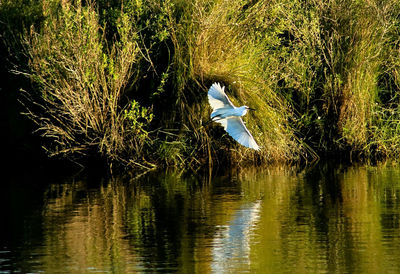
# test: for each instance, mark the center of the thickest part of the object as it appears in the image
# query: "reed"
(81, 78)
(128, 80)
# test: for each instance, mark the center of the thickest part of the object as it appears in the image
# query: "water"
(327, 218)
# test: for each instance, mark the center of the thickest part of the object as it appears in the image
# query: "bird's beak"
(251, 108)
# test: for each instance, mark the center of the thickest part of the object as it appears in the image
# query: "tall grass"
(82, 77)
(128, 80)
(354, 46)
(358, 44)
(235, 45)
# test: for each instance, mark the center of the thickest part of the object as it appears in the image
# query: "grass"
(225, 51)
(128, 80)
(81, 79)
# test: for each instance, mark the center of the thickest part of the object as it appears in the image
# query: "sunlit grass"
(128, 80)
(234, 45)
(82, 78)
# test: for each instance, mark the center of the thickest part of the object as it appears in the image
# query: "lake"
(328, 217)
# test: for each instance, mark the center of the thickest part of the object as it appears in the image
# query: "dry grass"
(323, 76)
(82, 77)
(233, 46)
(354, 55)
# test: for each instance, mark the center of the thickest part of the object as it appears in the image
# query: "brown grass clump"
(355, 48)
(233, 46)
(323, 76)
(82, 78)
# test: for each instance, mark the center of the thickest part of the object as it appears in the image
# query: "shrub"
(128, 79)
(81, 77)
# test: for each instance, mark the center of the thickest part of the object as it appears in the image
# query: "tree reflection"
(326, 219)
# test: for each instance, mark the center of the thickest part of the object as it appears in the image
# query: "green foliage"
(16, 17)
(128, 78)
(81, 78)
(137, 119)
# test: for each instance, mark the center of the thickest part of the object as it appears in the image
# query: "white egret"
(225, 113)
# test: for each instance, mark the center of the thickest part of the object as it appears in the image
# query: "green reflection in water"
(325, 219)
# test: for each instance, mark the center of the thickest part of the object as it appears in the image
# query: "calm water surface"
(327, 218)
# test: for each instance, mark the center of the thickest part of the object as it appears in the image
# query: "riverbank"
(127, 83)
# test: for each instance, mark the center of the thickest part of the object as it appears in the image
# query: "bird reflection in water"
(231, 244)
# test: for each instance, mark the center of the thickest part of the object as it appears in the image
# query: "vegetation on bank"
(127, 80)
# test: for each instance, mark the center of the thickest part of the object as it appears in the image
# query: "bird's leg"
(216, 118)
(209, 121)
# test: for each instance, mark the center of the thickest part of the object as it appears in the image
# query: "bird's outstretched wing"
(237, 130)
(217, 97)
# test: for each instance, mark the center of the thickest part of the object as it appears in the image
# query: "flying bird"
(229, 116)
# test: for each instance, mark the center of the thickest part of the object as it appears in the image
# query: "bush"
(128, 79)
(81, 77)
